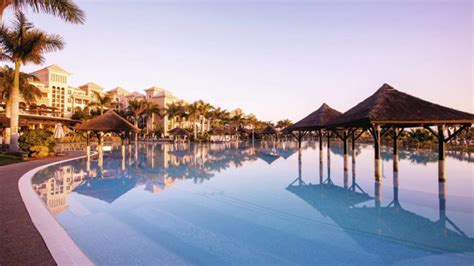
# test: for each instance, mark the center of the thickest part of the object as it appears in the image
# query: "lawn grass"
(9, 159)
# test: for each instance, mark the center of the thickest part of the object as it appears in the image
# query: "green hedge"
(35, 138)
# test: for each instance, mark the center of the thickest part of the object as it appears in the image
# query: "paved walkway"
(20, 242)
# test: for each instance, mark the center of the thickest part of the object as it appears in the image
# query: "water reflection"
(251, 205)
(359, 213)
(108, 176)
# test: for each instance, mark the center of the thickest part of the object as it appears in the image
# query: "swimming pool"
(260, 204)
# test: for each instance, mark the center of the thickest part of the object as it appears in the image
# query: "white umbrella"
(58, 131)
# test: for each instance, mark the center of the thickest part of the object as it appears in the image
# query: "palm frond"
(65, 9)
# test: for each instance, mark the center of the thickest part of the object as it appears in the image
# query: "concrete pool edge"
(61, 246)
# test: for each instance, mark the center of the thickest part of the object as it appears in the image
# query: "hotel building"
(59, 99)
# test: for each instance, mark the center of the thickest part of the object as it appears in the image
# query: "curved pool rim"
(61, 246)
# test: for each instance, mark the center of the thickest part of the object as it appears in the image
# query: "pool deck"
(20, 241)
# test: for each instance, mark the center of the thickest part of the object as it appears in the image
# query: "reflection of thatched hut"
(392, 222)
(178, 133)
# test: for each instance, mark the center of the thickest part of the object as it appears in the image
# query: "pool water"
(263, 203)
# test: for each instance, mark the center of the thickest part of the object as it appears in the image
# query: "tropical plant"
(35, 138)
(65, 9)
(150, 110)
(284, 123)
(136, 108)
(81, 113)
(174, 110)
(29, 92)
(102, 101)
(204, 110)
(21, 45)
(193, 111)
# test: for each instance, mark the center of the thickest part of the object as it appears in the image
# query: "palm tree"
(81, 114)
(21, 45)
(136, 108)
(194, 111)
(204, 109)
(174, 110)
(28, 91)
(65, 9)
(101, 102)
(150, 109)
(284, 123)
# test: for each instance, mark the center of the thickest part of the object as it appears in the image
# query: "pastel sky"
(275, 59)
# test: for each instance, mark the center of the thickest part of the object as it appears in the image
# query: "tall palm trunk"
(194, 127)
(15, 108)
(135, 122)
(7, 131)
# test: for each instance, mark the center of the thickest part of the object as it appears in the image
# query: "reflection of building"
(156, 166)
(54, 190)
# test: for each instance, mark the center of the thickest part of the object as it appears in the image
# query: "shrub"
(39, 151)
(39, 137)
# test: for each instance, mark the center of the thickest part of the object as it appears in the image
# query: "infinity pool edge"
(61, 246)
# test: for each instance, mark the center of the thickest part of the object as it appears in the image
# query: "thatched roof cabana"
(388, 106)
(108, 122)
(269, 130)
(317, 119)
(177, 131)
(217, 131)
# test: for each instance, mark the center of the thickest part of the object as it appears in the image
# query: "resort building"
(59, 100)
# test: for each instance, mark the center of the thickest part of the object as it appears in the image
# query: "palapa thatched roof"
(217, 131)
(388, 106)
(317, 119)
(269, 130)
(108, 122)
(177, 131)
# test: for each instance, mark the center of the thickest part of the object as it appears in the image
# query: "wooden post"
(88, 146)
(395, 149)
(346, 179)
(321, 171)
(441, 154)
(320, 140)
(123, 152)
(395, 187)
(329, 144)
(345, 141)
(100, 150)
(377, 157)
(378, 194)
(299, 167)
(353, 148)
(442, 202)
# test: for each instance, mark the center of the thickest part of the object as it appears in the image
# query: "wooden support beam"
(441, 154)
(320, 139)
(375, 130)
(456, 132)
(395, 149)
(360, 134)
